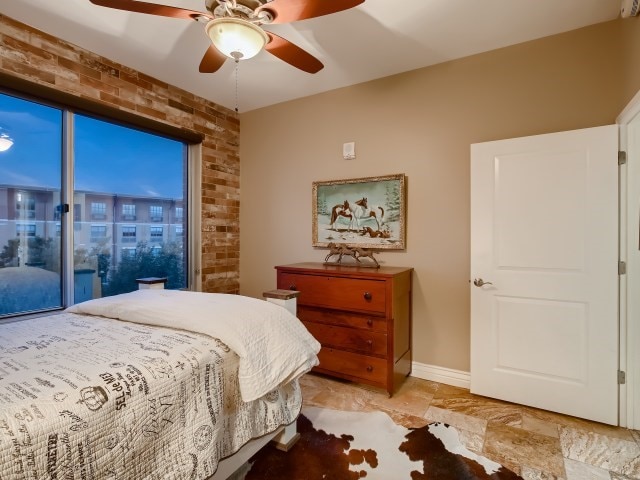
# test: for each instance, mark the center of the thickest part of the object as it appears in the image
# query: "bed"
(153, 384)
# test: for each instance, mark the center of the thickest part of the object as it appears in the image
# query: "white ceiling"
(376, 39)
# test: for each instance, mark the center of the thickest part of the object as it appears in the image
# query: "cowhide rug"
(336, 445)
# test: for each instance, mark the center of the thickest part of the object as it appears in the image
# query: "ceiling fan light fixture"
(236, 38)
(5, 142)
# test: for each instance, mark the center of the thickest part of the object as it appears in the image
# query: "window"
(77, 212)
(25, 206)
(98, 211)
(137, 168)
(128, 212)
(156, 234)
(30, 183)
(155, 212)
(128, 234)
(98, 233)
(178, 213)
(34, 195)
(28, 230)
(179, 230)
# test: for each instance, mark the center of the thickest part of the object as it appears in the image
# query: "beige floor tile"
(529, 473)
(456, 419)
(579, 423)
(617, 476)
(543, 427)
(582, 471)
(406, 420)
(335, 394)
(412, 398)
(614, 454)
(460, 400)
(504, 443)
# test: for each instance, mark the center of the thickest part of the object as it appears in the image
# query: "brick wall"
(32, 55)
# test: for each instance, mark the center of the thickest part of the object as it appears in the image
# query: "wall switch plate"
(349, 150)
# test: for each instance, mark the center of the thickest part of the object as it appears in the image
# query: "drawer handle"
(368, 296)
(370, 322)
(369, 368)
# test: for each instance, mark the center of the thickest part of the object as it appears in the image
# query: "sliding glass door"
(128, 208)
(113, 195)
(30, 184)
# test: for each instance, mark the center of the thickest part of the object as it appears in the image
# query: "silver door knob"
(478, 282)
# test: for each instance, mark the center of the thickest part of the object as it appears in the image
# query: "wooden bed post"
(287, 299)
(287, 438)
(284, 298)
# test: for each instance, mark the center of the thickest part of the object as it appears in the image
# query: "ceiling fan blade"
(212, 60)
(151, 9)
(292, 54)
(285, 11)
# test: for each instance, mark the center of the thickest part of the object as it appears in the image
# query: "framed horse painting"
(364, 212)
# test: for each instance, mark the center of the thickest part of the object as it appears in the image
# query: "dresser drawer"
(353, 364)
(346, 319)
(336, 292)
(370, 343)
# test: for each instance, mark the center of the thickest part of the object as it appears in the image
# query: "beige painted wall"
(421, 123)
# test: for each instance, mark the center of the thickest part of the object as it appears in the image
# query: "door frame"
(630, 253)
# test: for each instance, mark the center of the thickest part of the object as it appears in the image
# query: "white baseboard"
(457, 378)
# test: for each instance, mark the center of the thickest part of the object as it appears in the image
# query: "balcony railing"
(128, 239)
(98, 216)
(30, 214)
(129, 217)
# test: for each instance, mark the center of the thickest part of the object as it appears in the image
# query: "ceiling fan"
(235, 26)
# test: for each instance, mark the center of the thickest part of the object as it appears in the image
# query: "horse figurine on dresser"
(355, 252)
(360, 210)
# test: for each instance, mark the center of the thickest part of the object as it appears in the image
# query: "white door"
(544, 232)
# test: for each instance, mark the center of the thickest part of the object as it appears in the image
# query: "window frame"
(98, 210)
(70, 105)
(153, 233)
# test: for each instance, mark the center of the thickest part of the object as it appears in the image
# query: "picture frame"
(367, 212)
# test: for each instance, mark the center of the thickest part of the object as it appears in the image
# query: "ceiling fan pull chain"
(237, 66)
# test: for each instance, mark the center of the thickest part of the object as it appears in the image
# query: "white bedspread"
(91, 398)
(273, 346)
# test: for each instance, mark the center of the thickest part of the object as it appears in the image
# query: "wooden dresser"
(361, 316)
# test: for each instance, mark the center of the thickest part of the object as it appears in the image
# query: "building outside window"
(129, 234)
(155, 213)
(98, 233)
(26, 229)
(128, 212)
(156, 234)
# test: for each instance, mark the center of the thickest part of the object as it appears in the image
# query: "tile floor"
(534, 443)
